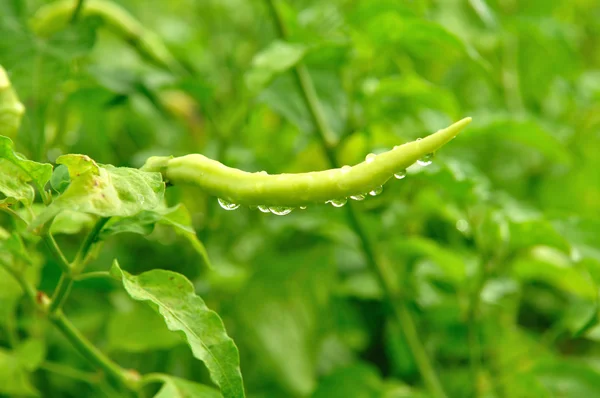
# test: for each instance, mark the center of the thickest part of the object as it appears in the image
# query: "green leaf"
(553, 267)
(526, 132)
(14, 376)
(284, 98)
(568, 379)
(104, 190)
(15, 255)
(25, 49)
(172, 295)
(272, 61)
(279, 311)
(580, 316)
(17, 172)
(397, 94)
(14, 184)
(450, 263)
(174, 387)
(71, 222)
(60, 178)
(359, 381)
(582, 234)
(10, 292)
(143, 223)
(31, 353)
(11, 109)
(128, 328)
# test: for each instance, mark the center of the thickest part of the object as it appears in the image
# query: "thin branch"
(27, 288)
(48, 239)
(380, 268)
(84, 250)
(93, 275)
(61, 292)
(67, 278)
(77, 11)
(73, 373)
(90, 352)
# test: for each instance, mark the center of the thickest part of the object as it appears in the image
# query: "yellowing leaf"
(16, 172)
(105, 190)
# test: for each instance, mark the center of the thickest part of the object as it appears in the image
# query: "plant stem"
(93, 275)
(90, 352)
(77, 10)
(61, 292)
(384, 274)
(386, 279)
(67, 278)
(76, 374)
(56, 316)
(475, 355)
(29, 290)
(82, 254)
(48, 239)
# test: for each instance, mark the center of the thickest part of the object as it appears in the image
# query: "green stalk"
(29, 290)
(48, 239)
(74, 336)
(73, 373)
(90, 352)
(81, 258)
(61, 292)
(68, 277)
(77, 10)
(63, 288)
(383, 273)
(93, 275)
(56, 315)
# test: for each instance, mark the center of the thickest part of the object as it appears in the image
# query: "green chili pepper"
(11, 109)
(53, 17)
(280, 192)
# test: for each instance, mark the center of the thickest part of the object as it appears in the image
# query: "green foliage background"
(496, 245)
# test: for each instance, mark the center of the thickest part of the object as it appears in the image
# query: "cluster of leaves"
(494, 245)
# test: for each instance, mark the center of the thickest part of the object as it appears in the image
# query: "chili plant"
(388, 276)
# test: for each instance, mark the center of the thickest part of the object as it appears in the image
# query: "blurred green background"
(496, 245)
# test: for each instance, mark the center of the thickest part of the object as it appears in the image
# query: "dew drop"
(400, 175)
(337, 202)
(360, 196)
(370, 158)
(426, 160)
(302, 207)
(227, 205)
(280, 210)
(376, 191)
(264, 209)
(462, 225)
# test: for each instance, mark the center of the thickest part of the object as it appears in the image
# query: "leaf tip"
(115, 270)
